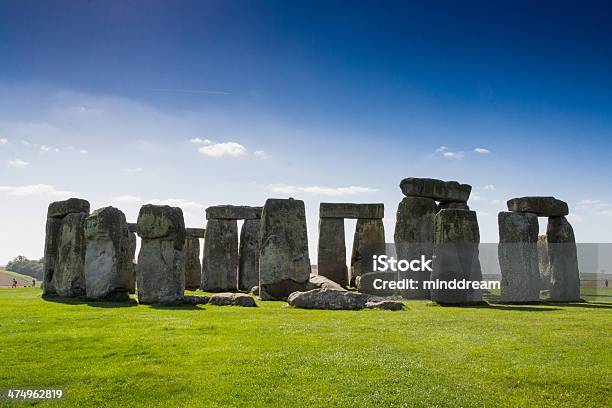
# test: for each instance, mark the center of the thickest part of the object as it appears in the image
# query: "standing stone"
(563, 258)
(331, 260)
(544, 264)
(413, 238)
(132, 240)
(284, 265)
(248, 255)
(161, 273)
(220, 260)
(108, 257)
(518, 257)
(193, 268)
(64, 273)
(456, 239)
(369, 240)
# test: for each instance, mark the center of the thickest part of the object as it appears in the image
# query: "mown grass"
(107, 354)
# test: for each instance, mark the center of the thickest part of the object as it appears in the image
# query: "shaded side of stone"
(132, 243)
(220, 260)
(331, 258)
(456, 239)
(284, 263)
(563, 258)
(248, 255)
(60, 209)
(369, 240)
(518, 257)
(193, 268)
(544, 264)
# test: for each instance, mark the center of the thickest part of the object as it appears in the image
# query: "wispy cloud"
(83, 151)
(318, 190)
(217, 150)
(481, 150)
(18, 163)
(3, 141)
(445, 152)
(178, 202)
(197, 140)
(133, 170)
(126, 199)
(195, 91)
(260, 154)
(35, 189)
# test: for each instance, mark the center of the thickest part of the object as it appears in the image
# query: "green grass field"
(124, 355)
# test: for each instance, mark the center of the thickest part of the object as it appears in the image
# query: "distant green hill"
(25, 266)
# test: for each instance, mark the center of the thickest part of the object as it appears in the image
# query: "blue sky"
(203, 103)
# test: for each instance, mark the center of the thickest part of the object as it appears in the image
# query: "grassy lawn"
(108, 354)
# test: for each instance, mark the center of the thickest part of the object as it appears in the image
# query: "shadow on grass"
(513, 307)
(586, 305)
(180, 306)
(107, 304)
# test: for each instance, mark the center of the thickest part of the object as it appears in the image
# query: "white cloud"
(481, 150)
(177, 202)
(488, 187)
(260, 154)
(35, 189)
(3, 141)
(495, 202)
(17, 163)
(318, 190)
(197, 140)
(133, 170)
(45, 148)
(232, 149)
(127, 199)
(83, 151)
(476, 197)
(444, 152)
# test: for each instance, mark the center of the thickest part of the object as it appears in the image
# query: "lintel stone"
(350, 210)
(233, 212)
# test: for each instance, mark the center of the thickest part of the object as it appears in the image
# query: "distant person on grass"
(14, 283)
(33, 283)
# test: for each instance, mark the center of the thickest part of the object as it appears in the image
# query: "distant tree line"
(27, 267)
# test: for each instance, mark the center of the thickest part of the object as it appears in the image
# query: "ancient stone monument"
(161, 274)
(414, 227)
(193, 269)
(109, 269)
(284, 264)
(456, 240)
(523, 269)
(248, 255)
(64, 273)
(369, 239)
(518, 257)
(132, 284)
(221, 258)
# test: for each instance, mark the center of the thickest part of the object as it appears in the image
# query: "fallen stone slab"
(385, 304)
(541, 206)
(518, 257)
(60, 209)
(195, 232)
(328, 299)
(365, 283)
(318, 281)
(439, 190)
(196, 300)
(350, 210)
(284, 263)
(563, 261)
(232, 299)
(233, 212)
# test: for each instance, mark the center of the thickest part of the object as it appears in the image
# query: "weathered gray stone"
(193, 268)
(220, 260)
(284, 265)
(64, 273)
(328, 299)
(518, 257)
(453, 206)
(132, 227)
(162, 221)
(544, 264)
(369, 240)
(541, 206)
(456, 239)
(196, 300)
(232, 299)
(248, 255)
(365, 283)
(563, 258)
(384, 304)
(161, 260)
(318, 281)
(195, 232)
(413, 238)
(233, 212)
(437, 189)
(60, 209)
(255, 291)
(108, 258)
(331, 261)
(350, 210)
(132, 242)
